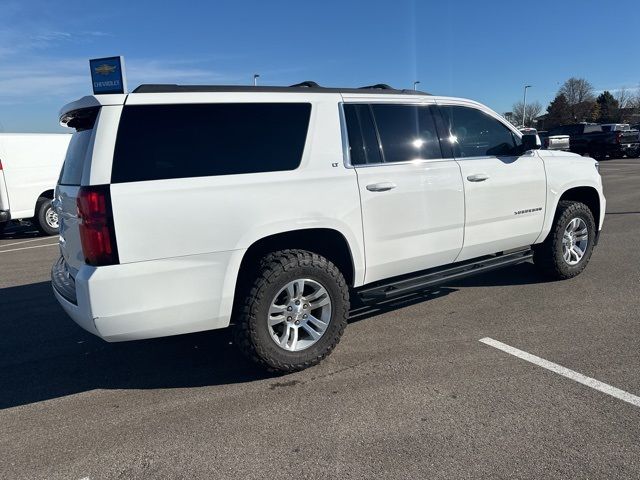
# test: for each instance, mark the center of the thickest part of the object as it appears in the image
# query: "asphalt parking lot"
(410, 392)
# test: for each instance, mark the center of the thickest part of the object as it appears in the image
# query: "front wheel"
(46, 218)
(294, 312)
(568, 247)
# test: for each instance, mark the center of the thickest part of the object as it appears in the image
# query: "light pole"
(255, 79)
(415, 85)
(524, 106)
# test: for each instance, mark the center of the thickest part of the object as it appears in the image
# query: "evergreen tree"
(608, 107)
(558, 112)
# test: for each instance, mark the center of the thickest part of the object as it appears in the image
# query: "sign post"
(108, 76)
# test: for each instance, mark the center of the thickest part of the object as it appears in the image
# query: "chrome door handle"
(381, 187)
(478, 177)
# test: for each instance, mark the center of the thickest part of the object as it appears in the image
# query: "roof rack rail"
(378, 86)
(304, 87)
(306, 83)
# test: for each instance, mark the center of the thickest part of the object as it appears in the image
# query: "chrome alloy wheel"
(574, 241)
(51, 217)
(299, 314)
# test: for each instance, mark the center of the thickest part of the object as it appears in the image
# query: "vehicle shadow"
(19, 232)
(44, 355)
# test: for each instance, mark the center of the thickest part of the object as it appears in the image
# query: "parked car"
(29, 168)
(554, 142)
(591, 139)
(289, 203)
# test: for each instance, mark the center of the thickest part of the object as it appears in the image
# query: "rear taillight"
(0, 164)
(619, 137)
(97, 234)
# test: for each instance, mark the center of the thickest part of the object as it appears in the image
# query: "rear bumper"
(153, 299)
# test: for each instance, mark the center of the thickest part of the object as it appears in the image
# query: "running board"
(434, 278)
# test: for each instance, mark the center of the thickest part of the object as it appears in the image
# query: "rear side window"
(477, 134)
(158, 142)
(407, 132)
(390, 133)
(364, 148)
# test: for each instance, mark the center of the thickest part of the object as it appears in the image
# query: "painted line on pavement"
(28, 248)
(24, 241)
(565, 372)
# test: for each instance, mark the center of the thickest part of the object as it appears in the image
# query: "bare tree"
(533, 110)
(624, 97)
(577, 90)
(580, 97)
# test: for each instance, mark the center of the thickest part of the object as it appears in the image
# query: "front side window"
(477, 134)
(158, 142)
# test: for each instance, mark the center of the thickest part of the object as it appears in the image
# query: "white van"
(29, 167)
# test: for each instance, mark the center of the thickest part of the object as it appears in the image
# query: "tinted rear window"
(71, 173)
(175, 141)
(83, 121)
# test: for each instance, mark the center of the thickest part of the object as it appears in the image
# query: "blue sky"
(478, 49)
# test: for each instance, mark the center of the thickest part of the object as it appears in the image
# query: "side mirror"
(531, 141)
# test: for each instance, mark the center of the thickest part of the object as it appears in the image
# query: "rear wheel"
(3, 225)
(568, 247)
(294, 312)
(46, 218)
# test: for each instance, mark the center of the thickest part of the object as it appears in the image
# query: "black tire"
(275, 271)
(548, 256)
(43, 209)
(3, 225)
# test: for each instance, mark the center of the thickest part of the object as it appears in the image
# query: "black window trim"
(345, 135)
(514, 131)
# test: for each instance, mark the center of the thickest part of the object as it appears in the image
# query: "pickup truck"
(554, 142)
(29, 167)
(591, 139)
(289, 204)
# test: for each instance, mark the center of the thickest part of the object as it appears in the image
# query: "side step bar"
(435, 277)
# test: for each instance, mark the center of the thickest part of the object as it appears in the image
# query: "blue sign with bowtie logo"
(107, 75)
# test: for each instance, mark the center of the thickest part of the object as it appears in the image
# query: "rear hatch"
(77, 160)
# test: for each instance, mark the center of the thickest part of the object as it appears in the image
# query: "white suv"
(189, 208)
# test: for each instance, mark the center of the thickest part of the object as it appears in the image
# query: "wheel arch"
(584, 194)
(46, 194)
(328, 242)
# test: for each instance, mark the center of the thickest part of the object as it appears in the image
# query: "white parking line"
(565, 372)
(28, 248)
(25, 241)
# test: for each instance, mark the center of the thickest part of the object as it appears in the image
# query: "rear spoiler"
(92, 101)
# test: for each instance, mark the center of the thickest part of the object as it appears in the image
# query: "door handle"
(478, 177)
(381, 187)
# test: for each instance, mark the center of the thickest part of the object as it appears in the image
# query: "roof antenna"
(255, 79)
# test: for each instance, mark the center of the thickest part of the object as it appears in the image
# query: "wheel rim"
(51, 217)
(299, 314)
(575, 241)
